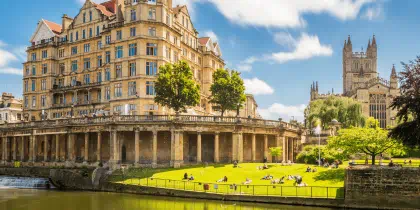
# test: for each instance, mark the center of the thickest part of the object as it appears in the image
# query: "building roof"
(203, 40)
(178, 8)
(55, 27)
(107, 8)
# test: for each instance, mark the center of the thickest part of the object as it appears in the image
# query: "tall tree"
(176, 88)
(228, 91)
(370, 140)
(346, 110)
(408, 105)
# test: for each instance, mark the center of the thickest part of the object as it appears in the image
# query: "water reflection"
(24, 199)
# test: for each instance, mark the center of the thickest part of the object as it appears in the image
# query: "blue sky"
(280, 46)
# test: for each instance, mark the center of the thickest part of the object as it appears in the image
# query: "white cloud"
(244, 67)
(212, 35)
(285, 13)
(9, 70)
(284, 39)
(6, 57)
(372, 13)
(285, 112)
(2, 44)
(256, 86)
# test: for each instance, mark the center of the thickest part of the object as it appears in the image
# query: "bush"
(310, 154)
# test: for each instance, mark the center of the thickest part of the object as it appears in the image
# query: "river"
(12, 198)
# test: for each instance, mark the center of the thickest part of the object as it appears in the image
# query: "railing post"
(296, 191)
(253, 189)
(147, 181)
(165, 183)
(311, 191)
(267, 190)
(240, 189)
(327, 192)
(184, 185)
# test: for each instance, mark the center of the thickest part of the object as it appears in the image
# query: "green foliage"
(228, 91)
(175, 87)
(408, 105)
(310, 154)
(322, 111)
(370, 140)
(276, 151)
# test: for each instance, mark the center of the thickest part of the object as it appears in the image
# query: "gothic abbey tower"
(361, 81)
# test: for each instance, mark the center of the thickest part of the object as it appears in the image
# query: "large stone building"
(105, 60)
(361, 81)
(89, 95)
(10, 109)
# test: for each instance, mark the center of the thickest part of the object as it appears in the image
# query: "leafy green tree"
(228, 91)
(370, 140)
(346, 110)
(408, 105)
(310, 154)
(175, 87)
(276, 152)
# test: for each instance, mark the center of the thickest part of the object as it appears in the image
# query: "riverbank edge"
(78, 180)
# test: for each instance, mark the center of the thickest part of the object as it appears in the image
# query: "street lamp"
(317, 131)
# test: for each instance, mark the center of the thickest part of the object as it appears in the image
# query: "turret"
(393, 79)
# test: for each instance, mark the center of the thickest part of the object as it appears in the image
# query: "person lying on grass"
(248, 181)
(268, 177)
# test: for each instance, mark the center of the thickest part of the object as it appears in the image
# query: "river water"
(36, 199)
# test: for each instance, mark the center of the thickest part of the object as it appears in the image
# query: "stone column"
(70, 147)
(177, 145)
(14, 148)
(30, 149)
(253, 147)
(284, 149)
(98, 152)
(235, 147)
(266, 146)
(3, 147)
(57, 147)
(216, 147)
(7, 149)
(154, 149)
(22, 149)
(86, 155)
(199, 147)
(34, 148)
(241, 148)
(45, 148)
(137, 146)
(116, 146)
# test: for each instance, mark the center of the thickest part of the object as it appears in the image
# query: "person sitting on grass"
(185, 176)
(247, 181)
(235, 164)
(314, 170)
(405, 162)
(391, 164)
(225, 179)
(265, 166)
(191, 178)
(409, 162)
(308, 169)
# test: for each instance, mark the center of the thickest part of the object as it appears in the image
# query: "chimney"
(66, 21)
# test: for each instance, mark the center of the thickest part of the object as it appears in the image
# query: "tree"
(276, 152)
(346, 110)
(175, 87)
(310, 154)
(370, 140)
(228, 91)
(408, 105)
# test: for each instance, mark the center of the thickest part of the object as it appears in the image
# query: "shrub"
(310, 154)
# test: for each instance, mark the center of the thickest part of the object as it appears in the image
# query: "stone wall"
(389, 187)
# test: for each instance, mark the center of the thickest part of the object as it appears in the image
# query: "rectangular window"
(151, 49)
(33, 101)
(118, 108)
(90, 16)
(99, 45)
(77, 35)
(86, 63)
(44, 68)
(33, 85)
(108, 39)
(99, 96)
(71, 37)
(133, 50)
(87, 48)
(27, 71)
(61, 53)
(74, 50)
(118, 90)
(133, 15)
(33, 70)
(26, 86)
(107, 57)
(90, 32)
(132, 69)
(99, 77)
(107, 93)
(98, 32)
(175, 57)
(44, 54)
(133, 32)
(150, 88)
(26, 102)
(43, 100)
(119, 52)
(118, 71)
(132, 88)
(84, 34)
(152, 14)
(151, 68)
(119, 35)
(43, 84)
(107, 74)
(86, 78)
(74, 66)
(152, 31)
(100, 61)
(84, 17)
(33, 56)
(62, 68)
(73, 81)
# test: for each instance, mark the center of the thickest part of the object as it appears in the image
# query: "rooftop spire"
(369, 44)
(349, 40)
(374, 41)
(393, 72)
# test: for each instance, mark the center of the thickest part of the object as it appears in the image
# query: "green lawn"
(317, 181)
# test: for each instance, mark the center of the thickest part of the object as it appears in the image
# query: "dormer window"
(84, 17)
(90, 16)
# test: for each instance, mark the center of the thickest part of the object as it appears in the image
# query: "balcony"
(79, 85)
(77, 103)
